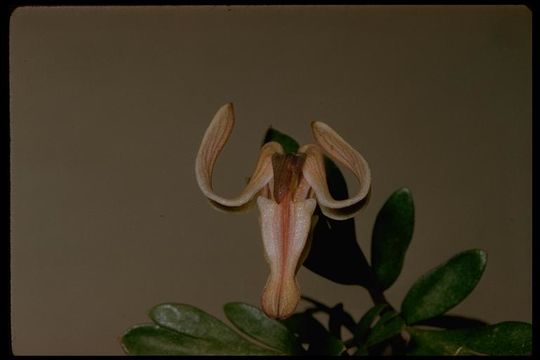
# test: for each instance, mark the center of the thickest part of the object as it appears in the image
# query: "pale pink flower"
(287, 188)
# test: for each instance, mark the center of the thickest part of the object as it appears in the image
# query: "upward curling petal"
(338, 149)
(214, 140)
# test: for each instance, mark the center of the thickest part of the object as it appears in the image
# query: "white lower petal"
(285, 228)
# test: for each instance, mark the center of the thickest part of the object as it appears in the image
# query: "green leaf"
(309, 330)
(443, 287)
(389, 325)
(189, 320)
(361, 351)
(157, 340)
(392, 234)
(438, 342)
(254, 323)
(506, 338)
(289, 144)
(365, 323)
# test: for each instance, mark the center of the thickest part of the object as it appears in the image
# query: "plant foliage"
(420, 326)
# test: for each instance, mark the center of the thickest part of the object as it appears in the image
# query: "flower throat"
(287, 174)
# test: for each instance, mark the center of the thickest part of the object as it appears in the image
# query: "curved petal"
(285, 227)
(314, 172)
(214, 140)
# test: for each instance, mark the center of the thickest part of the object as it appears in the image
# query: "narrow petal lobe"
(314, 172)
(214, 140)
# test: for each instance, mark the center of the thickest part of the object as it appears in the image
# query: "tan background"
(108, 106)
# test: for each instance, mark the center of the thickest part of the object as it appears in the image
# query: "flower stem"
(377, 296)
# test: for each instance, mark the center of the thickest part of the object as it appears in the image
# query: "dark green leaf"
(365, 323)
(438, 342)
(389, 325)
(392, 234)
(254, 323)
(289, 144)
(192, 321)
(189, 320)
(443, 287)
(334, 252)
(361, 351)
(156, 340)
(310, 331)
(506, 338)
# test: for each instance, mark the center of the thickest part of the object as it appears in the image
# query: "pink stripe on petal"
(285, 228)
(315, 174)
(214, 140)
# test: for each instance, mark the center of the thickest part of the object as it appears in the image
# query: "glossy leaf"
(392, 234)
(506, 338)
(189, 320)
(289, 144)
(444, 287)
(254, 323)
(389, 325)
(192, 321)
(334, 252)
(157, 340)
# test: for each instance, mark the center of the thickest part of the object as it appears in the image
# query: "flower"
(287, 188)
